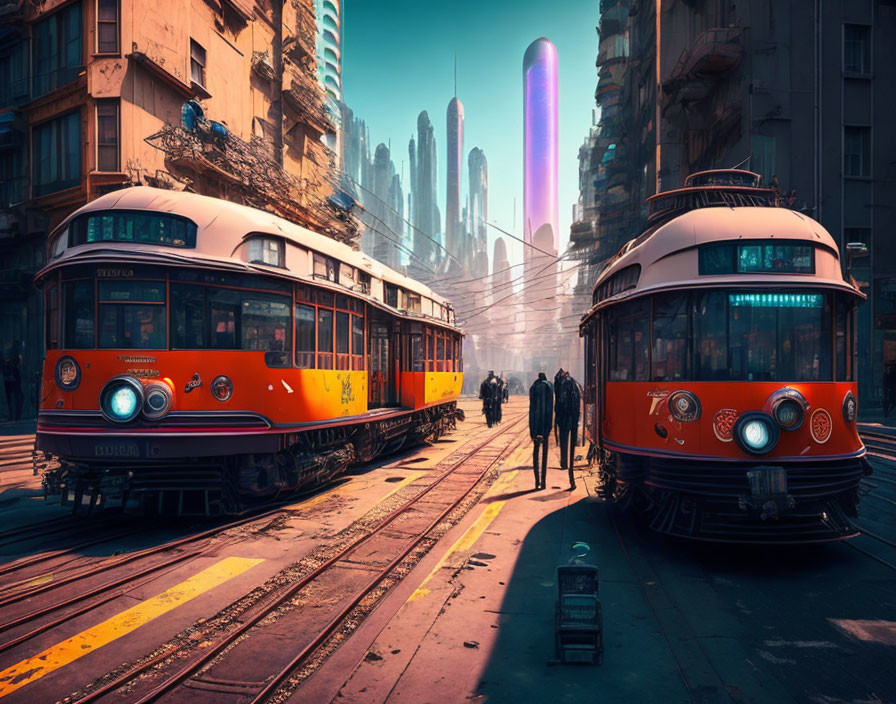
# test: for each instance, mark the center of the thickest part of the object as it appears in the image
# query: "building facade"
(795, 91)
(96, 95)
(454, 230)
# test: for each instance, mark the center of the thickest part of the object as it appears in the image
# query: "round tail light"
(756, 433)
(156, 401)
(67, 373)
(850, 407)
(789, 413)
(121, 399)
(684, 406)
(222, 388)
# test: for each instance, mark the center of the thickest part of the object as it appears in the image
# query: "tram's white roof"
(223, 225)
(668, 257)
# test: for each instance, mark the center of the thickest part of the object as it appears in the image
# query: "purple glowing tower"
(540, 224)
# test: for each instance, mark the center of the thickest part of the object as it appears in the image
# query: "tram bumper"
(718, 501)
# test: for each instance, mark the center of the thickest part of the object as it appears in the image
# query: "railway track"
(342, 581)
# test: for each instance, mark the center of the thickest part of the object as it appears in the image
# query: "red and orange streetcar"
(720, 369)
(204, 356)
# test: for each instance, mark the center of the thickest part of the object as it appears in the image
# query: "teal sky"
(398, 59)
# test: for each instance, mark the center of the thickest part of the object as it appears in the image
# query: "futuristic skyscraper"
(540, 146)
(453, 229)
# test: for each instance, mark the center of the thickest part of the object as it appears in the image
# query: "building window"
(56, 50)
(197, 63)
(107, 26)
(56, 154)
(14, 74)
(857, 151)
(107, 135)
(857, 48)
(266, 250)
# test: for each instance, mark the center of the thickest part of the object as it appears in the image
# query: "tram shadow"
(641, 573)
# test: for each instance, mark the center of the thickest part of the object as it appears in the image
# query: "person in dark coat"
(541, 416)
(12, 380)
(500, 395)
(557, 377)
(568, 400)
(488, 391)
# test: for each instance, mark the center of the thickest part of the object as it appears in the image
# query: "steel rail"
(285, 595)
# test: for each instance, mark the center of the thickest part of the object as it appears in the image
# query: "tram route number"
(116, 449)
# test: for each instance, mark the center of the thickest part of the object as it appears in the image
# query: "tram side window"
(440, 351)
(357, 342)
(711, 336)
(629, 333)
(265, 325)
(324, 338)
(132, 315)
(430, 349)
(78, 315)
(342, 340)
(670, 337)
(53, 317)
(304, 337)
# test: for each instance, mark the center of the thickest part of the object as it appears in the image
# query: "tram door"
(382, 377)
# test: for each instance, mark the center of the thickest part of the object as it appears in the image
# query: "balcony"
(711, 56)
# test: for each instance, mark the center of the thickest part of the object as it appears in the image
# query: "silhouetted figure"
(488, 393)
(12, 381)
(500, 397)
(889, 388)
(541, 415)
(569, 398)
(557, 377)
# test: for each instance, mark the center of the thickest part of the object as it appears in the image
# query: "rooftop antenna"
(455, 74)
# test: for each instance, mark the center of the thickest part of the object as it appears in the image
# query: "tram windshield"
(732, 335)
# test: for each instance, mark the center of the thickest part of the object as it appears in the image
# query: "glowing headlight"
(121, 399)
(684, 406)
(850, 407)
(67, 373)
(157, 402)
(756, 433)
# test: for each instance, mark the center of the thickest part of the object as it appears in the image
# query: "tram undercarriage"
(717, 501)
(228, 484)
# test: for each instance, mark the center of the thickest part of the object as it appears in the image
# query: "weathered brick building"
(92, 96)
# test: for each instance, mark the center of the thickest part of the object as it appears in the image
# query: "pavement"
(473, 621)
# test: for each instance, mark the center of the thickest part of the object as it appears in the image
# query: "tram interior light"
(776, 300)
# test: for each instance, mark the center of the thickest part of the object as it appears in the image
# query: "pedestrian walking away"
(541, 412)
(500, 394)
(568, 400)
(488, 393)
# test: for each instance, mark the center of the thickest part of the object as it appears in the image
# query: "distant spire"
(455, 74)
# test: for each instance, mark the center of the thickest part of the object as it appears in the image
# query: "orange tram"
(720, 370)
(204, 356)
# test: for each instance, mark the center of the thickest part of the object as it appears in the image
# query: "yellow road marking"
(473, 533)
(68, 651)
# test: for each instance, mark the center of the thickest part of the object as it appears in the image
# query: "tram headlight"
(789, 414)
(67, 373)
(850, 407)
(121, 399)
(756, 433)
(222, 388)
(684, 406)
(157, 401)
